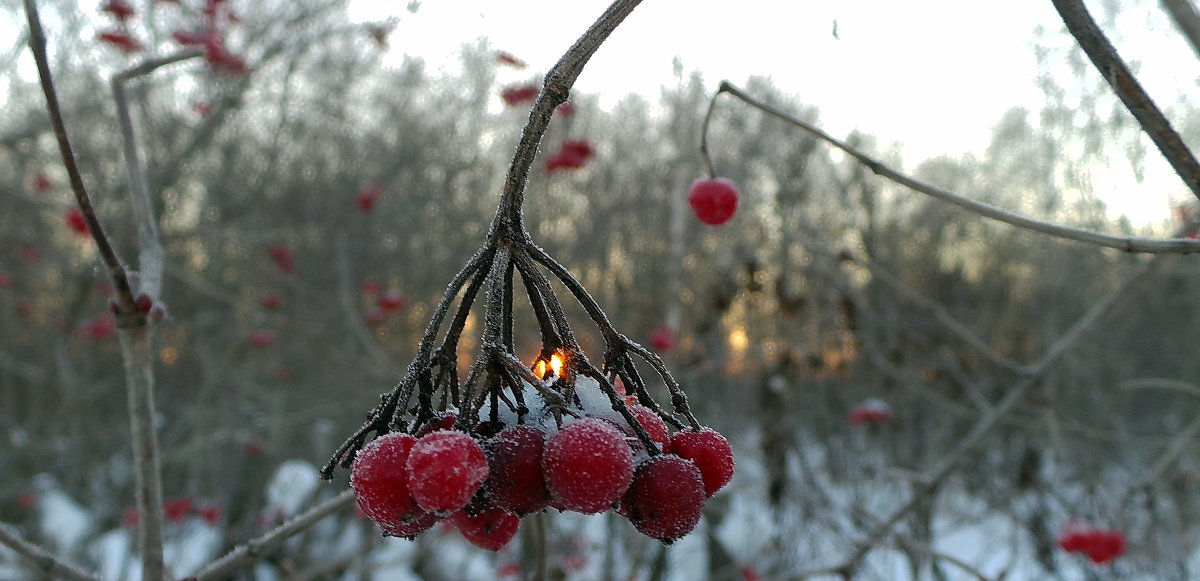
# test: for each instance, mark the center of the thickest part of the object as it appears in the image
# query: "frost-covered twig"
(1136, 244)
(252, 550)
(1118, 76)
(45, 562)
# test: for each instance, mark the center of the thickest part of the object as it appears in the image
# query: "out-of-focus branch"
(150, 252)
(1187, 19)
(45, 562)
(1126, 243)
(1114, 70)
(248, 553)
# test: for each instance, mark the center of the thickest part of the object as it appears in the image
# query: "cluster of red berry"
(484, 481)
(1101, 546)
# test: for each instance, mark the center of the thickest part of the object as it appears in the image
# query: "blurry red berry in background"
(370, 288)
(23, 308)
(270, 301)
(211, 514)
(101, 327)
(872, 411)
(5, 280)
(391, 302)
(41, 183)
(518, 94)
(119, 9)
(566, 109)
(262, 338)
(375, 317)
(177, 509)
(75, 221)
(369, 196)
(563, 160)
(120, 39)
(579, 147)
(663, 339)
(508, 59)
(282, 257)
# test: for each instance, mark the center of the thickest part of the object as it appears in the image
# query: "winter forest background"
(293, 304)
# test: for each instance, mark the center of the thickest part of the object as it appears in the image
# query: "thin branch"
(251, 551)
(1114, 70)
(1135, 244)
(150, 251)
(556, 89)
(47, 563)
(127, 311)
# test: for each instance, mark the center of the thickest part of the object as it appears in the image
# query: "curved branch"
(1135, 244)
(45, 562)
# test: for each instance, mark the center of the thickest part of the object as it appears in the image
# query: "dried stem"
(1114, 70)
(1135, 244)
(45, 562)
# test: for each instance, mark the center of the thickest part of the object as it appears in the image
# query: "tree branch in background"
(45, 562)
(1114, 70)
(1134, 244)
(1183, 13)
(251, 551)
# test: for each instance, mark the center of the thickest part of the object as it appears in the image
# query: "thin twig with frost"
(45, 562)
(1135, 244)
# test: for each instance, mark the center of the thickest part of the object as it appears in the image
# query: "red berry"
(516, 95)
(579, 147)
(5, 280)
(714, 200)
(177, 509)
(1106, 546)
(270, 301)
(564, 160)
(262, 338)
(119, 9)
(368, 197)
(390, 302)
(505, 58)
(101, 327)
(211, 514)
(516, 481)
(663, 339)
(75, 220)
(710, 451)
(654, 425)
(588, 466)
(872, 411)
(282, 257)
(120, 40)
(375, 317)
(42, 183)
(666, 498)
(143, 303)
(445, 469)
(489, 529)
(379, 479)
(444, 421)
(566, 109)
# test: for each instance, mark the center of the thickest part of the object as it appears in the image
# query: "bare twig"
(1114, 70)
(1135, 244)
(249, 552)
(45, 562)
(150, 252)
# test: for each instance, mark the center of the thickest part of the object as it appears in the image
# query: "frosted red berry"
(379, 479)
(588, 466)
(445, 469)
(654, 425)
(666, 498)
(711, 453)
(516, 481)
(490, 529)
(713, 200)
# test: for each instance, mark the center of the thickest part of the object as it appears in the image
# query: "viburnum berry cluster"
(1100, 545)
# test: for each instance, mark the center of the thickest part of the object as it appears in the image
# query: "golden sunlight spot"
(169, 355)
(739, 341)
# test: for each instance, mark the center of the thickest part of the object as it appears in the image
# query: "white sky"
(933, 75)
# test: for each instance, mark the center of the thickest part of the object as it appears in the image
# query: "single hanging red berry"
(445, 469)
(516, 481)
(710, 451)
(490, 529)
(666, 498)
(588, 466)
(714, 200)
(379, 479)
